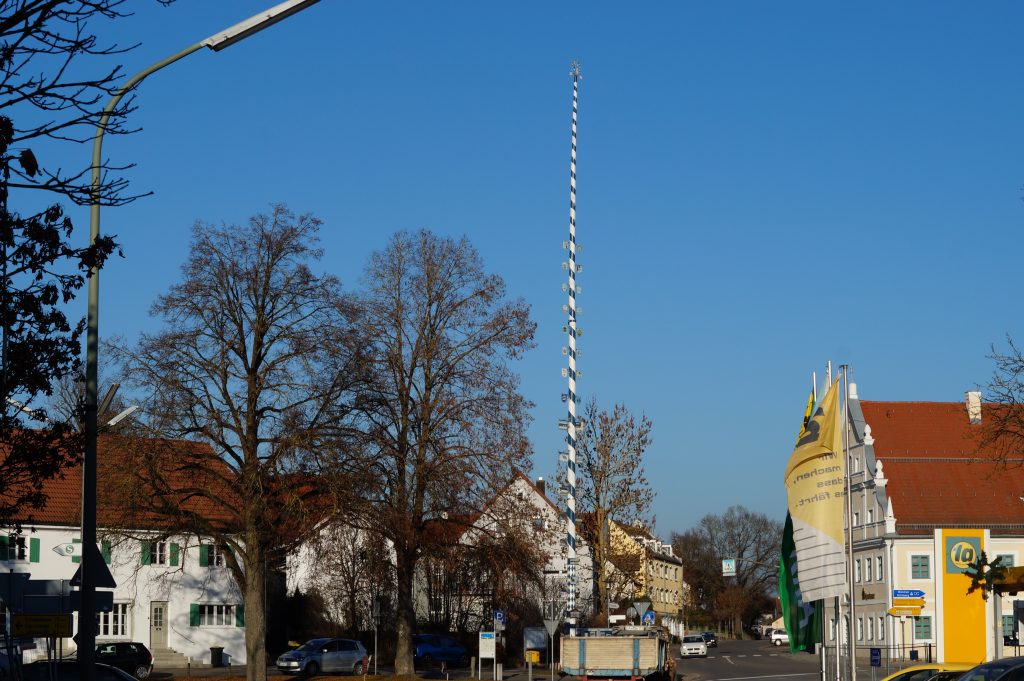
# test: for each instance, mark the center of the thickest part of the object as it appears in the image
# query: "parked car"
(779, 636)
(128, 656)
(710, 638)
(325, 655)
(924, 672)
(693, 645)
(1011, 640)
(67, 670)
(994, 670)
(430, 648)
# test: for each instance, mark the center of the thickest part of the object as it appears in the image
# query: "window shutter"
(105, 550)
(193, 615)
(174, 555)
(76, 559)
(204, 555)
(240, 615)
(145, 558)
(33, 550)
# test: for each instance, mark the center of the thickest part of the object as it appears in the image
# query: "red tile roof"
(64, 493)
(938, 476)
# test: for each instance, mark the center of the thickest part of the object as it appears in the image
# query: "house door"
(158, 624)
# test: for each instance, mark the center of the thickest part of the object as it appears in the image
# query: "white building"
(173, 594)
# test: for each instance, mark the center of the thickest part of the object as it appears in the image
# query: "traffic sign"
(648, 618)
(904, 612)
(499, 616)
(907, 593)
(728, 567)
(908, 602)
(876, 657)
(31, 626)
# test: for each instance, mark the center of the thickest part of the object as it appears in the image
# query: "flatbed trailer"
(628, 653)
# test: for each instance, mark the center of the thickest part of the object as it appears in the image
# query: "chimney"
(973, 401)
(853, 391)
(540, 486)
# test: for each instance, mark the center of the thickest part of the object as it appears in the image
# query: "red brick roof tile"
(938, 477)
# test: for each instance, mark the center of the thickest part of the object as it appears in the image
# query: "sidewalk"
(238, 671)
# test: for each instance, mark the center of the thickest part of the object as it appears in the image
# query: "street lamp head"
(254, 24)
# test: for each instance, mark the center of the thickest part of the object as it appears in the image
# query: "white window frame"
(867, 570)
(881, 628)
(856, 570)
(16, 549)
(159, 553)
(879, 565)
(860, 628)
(217, 552)
(113, 624)
(216, 615)
(871, 627)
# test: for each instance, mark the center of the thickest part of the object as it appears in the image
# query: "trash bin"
(216, 656)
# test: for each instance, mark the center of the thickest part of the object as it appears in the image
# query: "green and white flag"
(803, 620)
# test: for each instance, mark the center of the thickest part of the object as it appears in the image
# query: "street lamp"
(86, 617)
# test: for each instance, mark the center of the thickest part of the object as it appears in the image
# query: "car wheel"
(777, 642)
(358, 668)
(141, 672)
(312, 669)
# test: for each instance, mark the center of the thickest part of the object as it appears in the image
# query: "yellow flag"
(816, 486)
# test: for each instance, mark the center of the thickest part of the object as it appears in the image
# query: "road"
(749, 661)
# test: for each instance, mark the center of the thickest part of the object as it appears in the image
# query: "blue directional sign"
(876, 655)
(907, 593)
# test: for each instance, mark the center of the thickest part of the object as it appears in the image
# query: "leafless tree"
(443, 417)
(252, 364)
(754, 541)
(611, 483)
(55, 77)
(1001, 434)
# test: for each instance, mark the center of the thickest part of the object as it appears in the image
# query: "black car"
(128, 656)
(1006, 669)
(67, 670)
(710, 638)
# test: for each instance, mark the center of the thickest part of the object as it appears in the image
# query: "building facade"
(926, 501)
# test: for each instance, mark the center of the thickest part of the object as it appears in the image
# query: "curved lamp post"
(86, 638)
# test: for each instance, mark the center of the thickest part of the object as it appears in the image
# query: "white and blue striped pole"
(570, 469)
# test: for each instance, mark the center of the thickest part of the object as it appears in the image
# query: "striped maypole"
(570, 469)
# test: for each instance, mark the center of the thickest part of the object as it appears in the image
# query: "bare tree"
(611, 482)
(55, 77)
(1001, 434)
(252, 363)
(443, 417)
(754, 540)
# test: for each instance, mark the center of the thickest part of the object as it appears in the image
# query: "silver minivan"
(336, 655)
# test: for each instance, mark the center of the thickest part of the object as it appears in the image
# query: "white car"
(693, 645)
(779, 636)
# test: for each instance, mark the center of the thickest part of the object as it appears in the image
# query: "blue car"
(431, 648)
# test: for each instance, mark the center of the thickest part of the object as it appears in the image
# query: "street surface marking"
(771, 676)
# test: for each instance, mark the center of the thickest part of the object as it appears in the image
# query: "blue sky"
(762, 187)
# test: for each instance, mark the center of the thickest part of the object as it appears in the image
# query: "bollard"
(188, 668)
(529, 669)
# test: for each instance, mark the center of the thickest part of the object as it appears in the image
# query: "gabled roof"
(938, 476)
(64, 492)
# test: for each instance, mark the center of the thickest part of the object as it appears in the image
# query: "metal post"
(849, 523)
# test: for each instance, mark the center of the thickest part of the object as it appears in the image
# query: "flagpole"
(824, 617)
(849, 523)
(838, 602)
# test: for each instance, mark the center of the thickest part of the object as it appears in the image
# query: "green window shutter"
(105, 550)
(240, 615)
(204, 555)
(145, 558)
(76, 559)
(33, 550)
(193, 615)
(174, 555)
